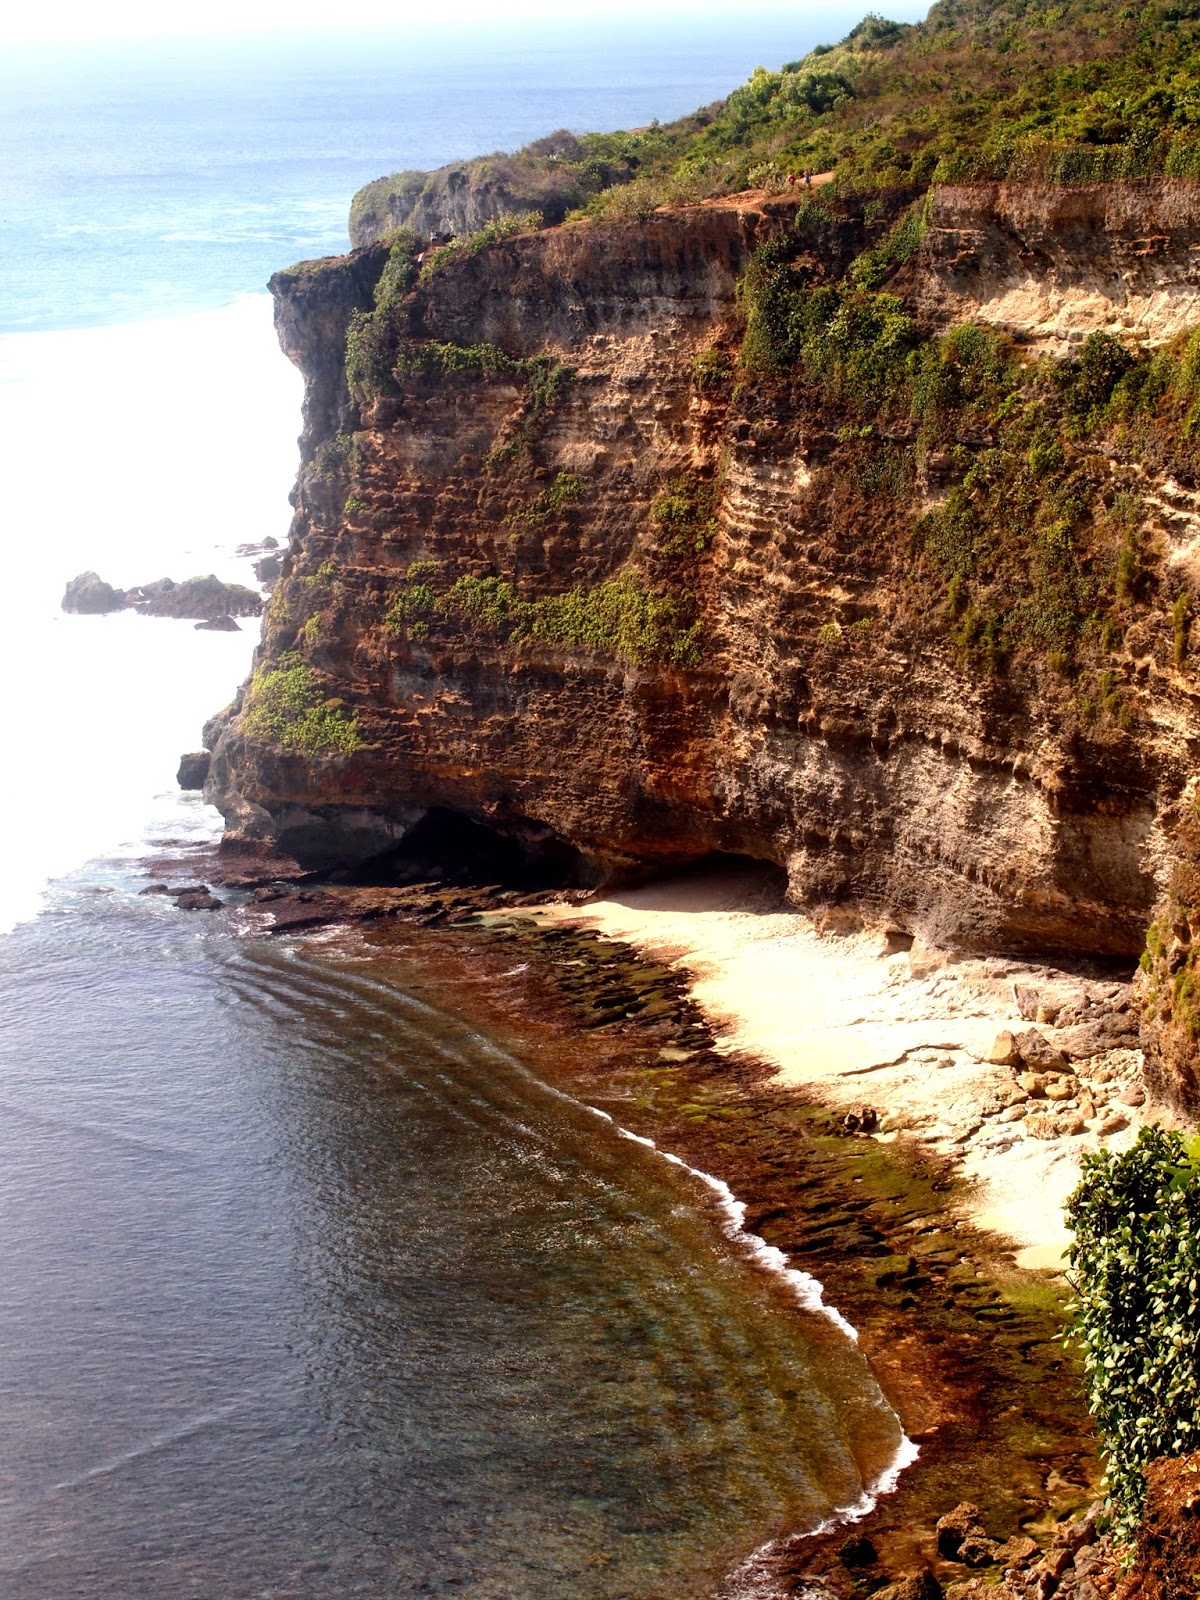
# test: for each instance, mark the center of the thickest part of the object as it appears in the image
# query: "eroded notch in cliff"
(454, 847)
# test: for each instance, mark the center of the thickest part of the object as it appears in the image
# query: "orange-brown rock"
(1168, 1541)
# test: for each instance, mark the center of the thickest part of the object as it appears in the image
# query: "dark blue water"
(310, 1290)
(155, 178)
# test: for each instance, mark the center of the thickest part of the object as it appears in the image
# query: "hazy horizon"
(140, 21)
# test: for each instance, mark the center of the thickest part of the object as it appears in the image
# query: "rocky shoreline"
(965, 1344)
(1012, 1067)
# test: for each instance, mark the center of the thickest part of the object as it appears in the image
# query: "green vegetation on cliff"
(624, 617)
(285, 706)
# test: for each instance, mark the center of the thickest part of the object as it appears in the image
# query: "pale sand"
(899, 1031)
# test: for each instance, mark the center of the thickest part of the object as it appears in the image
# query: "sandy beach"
(904, 1038)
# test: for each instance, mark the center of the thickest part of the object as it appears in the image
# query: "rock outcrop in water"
(572, 565)
(207, 599)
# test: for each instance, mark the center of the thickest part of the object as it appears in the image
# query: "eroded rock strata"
(567, 579)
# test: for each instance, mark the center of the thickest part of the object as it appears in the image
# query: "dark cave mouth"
(455, 848)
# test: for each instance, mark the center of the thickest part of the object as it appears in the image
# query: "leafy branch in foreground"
(1136, 1274)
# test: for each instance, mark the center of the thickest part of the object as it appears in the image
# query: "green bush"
(334, 456)
(400, 270)
(371, 345)
(850, 343)
(898, 245)
(413, 603)
(621, 617)
(684, 511)
(712, 370)
(285, 707)
(563, 491)
(490, 603)
(1090, 381)
(1135, 1270)
(962, 378)
(544, 379)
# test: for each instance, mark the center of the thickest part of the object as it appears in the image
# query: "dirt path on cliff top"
(745, 198)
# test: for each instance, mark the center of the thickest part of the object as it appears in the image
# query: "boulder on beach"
(268, 568)
(1003, 1051)
(89, 595)
(218, 625)
(1037, 1052)
(193, 769)
(1111, 1030)
(955, 1526)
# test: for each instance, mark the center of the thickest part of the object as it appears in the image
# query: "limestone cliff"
(572, 564)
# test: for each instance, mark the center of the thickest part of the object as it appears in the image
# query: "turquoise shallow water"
(313, 1291)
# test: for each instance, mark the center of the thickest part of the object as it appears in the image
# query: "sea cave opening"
(454, 847)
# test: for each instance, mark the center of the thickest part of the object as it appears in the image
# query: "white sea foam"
(142, 450)
(808, 1291)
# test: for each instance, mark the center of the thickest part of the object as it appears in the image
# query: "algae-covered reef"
(852, 528)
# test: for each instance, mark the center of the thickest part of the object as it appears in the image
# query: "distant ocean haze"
(144, 179)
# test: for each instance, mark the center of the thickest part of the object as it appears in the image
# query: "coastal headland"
(801, 578)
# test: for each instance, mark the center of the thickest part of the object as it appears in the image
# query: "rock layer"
(1053, 263)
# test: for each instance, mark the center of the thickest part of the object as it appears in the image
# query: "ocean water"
(312, 1291)
(144, 179)
(309, 1289)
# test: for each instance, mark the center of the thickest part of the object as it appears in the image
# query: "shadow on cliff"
(453, 848)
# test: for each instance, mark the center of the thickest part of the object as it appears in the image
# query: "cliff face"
(569, 576)
(1053, 263)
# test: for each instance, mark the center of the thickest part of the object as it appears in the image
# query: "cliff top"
(1081, 91)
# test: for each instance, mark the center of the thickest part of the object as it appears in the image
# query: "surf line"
(810, 1294)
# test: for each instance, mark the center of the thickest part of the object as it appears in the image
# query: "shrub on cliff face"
(285, 707)
(491, 233)
(623, 617)
(851, 344)
(712, 371)
(1135, 1269)
(562, 491)
(684, 511)
(413, 603)
(373, 337)
(898, 245)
